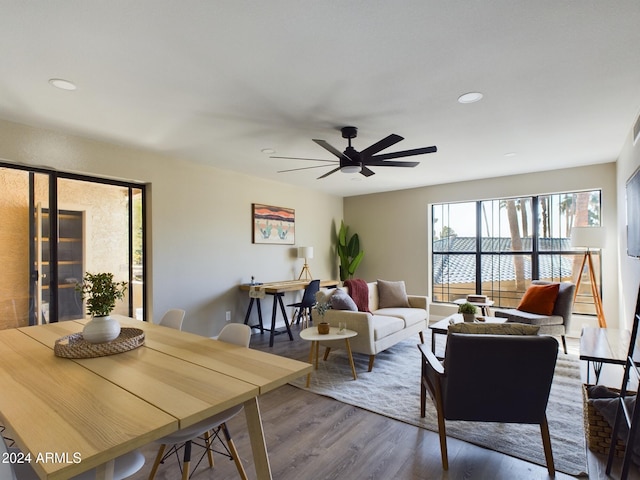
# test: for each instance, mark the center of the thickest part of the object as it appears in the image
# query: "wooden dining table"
(72, 415)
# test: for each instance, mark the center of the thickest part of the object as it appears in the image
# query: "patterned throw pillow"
(508, 328)
(392, 294)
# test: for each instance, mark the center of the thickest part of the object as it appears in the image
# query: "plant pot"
(323, 328)
(469, 317)
(101, 330)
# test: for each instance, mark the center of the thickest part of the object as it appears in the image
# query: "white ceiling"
(217, 81)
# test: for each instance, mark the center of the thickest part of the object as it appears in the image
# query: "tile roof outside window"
(460, 268)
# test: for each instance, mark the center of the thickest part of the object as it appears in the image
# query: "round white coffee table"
(311, 334)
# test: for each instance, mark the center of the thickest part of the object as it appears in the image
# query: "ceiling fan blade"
(301, 168)
(331, 149)
(405, 153)
(312, 159)
(328, 173)
(386, 163)
(366, 171)
(381, 145)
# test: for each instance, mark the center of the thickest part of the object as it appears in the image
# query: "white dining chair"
(173, 318)
(237, 334)
(6, 467)
(124, 466)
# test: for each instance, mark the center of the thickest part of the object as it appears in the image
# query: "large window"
(496, 247)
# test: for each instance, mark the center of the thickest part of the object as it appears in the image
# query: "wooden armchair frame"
(491, 378)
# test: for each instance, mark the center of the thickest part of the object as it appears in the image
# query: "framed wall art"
(271, 224)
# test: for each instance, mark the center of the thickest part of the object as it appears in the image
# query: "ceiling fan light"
(351, 168)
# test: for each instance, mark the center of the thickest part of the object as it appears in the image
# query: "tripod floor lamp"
(589, 238)
(306, 253)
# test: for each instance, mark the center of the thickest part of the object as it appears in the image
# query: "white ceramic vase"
(101, 329)
(469, 317)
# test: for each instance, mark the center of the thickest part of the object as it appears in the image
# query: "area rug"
(393, 389)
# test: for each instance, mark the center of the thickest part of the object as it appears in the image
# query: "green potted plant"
(468, 311)
(323, 303)
(349, 253)
(101, 293)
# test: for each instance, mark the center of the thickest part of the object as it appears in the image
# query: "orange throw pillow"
(540, 299)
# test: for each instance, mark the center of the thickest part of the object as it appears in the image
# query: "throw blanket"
(606, 402)
(359, 292)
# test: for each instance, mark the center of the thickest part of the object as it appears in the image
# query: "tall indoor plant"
(349, 252)
(101, 292)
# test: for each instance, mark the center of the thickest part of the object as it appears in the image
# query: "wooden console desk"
(604, 345)
(277, 290)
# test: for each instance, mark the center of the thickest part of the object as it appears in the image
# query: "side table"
(311, 334)
(484, 306)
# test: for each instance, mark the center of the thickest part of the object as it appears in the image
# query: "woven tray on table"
(597, 429)
(75, 346)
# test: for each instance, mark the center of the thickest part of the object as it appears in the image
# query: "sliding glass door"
(23, 197)
(56, 227)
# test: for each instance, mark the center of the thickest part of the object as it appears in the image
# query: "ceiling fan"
(352, 161)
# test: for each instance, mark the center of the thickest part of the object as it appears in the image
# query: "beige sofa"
(383, 327)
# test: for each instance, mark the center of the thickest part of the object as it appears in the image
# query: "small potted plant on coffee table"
(468, 311)
(323, 303)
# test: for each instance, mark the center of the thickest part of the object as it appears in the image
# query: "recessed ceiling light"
(62, 84)
(268, 151)
(470, 97)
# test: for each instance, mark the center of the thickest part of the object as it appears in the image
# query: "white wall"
(201, 230)
(200, 222)
(629, 268)
(394, 227)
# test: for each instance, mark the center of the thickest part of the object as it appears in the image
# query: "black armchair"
(491, 378)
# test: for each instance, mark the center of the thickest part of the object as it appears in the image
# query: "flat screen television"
(633, 214)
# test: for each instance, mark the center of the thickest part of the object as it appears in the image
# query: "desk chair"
(173, 318)
(306, 304)
(238, 334)
(491, 378)
(124, 467)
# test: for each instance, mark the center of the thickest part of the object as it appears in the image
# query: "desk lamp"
(306, 253)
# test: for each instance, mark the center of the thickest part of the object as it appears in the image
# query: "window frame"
(446, 292)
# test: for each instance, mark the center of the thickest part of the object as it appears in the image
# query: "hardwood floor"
(312, 437)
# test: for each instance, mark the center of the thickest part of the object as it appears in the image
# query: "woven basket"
(597, 429)
(75, 346)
